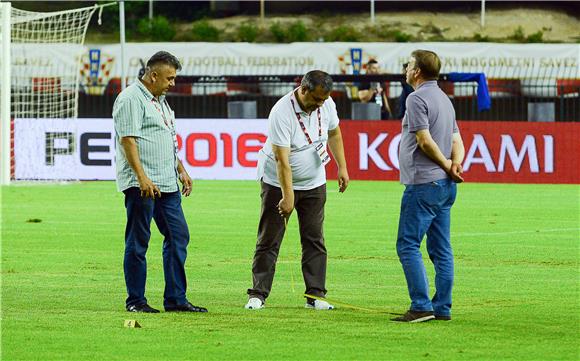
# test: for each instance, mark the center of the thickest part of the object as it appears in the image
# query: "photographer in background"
(373, 91)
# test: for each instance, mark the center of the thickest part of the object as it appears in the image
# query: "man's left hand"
(455, 172)
(186, 182)
(342, 180)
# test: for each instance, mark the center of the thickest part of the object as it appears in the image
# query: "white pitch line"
(552, 230)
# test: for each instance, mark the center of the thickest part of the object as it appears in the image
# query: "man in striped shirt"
(147, 173)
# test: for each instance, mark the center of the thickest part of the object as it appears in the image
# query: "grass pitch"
(516, 294)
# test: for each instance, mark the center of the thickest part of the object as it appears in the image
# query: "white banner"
(61, 149)
(100, 63)
(34, 65)
(548, 61)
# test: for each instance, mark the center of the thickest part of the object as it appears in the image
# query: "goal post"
(40, 70)
(5, 132)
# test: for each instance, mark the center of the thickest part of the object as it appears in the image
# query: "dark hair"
(163, 57)
(372, 61)
(428, 62)
(316, 78)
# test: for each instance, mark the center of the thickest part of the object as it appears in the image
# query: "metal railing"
(207, 96)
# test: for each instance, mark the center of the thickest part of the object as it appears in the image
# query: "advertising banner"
(496, 152)
(536, 62)
(344, 58)
(85, 148)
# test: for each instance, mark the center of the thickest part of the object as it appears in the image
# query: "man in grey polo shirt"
(147, 173)
(430, 156)
(291, 169)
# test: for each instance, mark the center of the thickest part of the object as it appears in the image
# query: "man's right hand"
(454, 170)
(148, 188)
(285, 207)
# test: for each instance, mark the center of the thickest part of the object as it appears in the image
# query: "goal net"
(44, 66)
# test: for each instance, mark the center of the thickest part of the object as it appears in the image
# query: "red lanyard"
(160, 110)
(154, 101)
(304, 127)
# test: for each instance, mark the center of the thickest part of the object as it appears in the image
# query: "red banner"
(497, 152)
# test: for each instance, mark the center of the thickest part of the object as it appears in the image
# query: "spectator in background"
(373, 92)
(430, 156)
(407, 89)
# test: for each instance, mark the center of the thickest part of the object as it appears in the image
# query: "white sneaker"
(320, 305)
(254, 303)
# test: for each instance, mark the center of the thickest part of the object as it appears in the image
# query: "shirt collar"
(146, 91)
(428, 84)
(295, 103)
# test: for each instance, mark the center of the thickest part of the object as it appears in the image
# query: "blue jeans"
(426, 209)
(170, 221)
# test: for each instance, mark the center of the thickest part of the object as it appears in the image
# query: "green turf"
(516, 295)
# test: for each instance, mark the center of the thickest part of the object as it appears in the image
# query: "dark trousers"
(309, 206)
(170, 221)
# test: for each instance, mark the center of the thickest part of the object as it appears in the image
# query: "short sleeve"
(128, 117)
(417, 116)
(279, 128)
(455, 127)
(332, 115)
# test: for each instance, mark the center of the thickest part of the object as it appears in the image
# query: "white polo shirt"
(284, 130)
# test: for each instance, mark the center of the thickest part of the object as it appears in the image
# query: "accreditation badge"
(322, 154)
(175, 142)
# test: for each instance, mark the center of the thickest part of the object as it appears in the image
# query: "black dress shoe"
(187, 307)
(415, 316)
(142, 308)
(443, 318)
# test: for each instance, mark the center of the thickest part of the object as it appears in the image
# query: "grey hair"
(317, 78)
(163, 57)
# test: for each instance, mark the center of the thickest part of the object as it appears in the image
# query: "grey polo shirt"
(428, 107)
(137, 113)
(284, 130)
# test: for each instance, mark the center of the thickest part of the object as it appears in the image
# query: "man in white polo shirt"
(291, 169)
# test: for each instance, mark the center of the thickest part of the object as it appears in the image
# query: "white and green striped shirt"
(137, 113)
